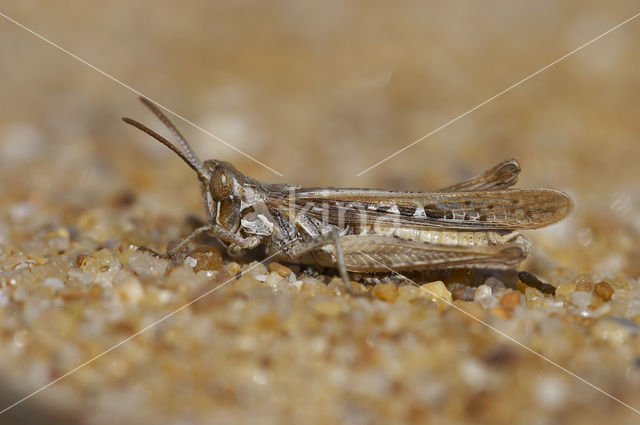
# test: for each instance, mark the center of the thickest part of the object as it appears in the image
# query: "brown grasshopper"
(473, 224)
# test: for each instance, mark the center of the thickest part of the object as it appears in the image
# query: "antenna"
(196, 166)
(176, 133)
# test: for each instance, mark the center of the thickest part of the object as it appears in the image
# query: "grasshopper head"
(221, 186)
(220, 182)
(222, 179)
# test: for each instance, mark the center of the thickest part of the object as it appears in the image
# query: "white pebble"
(296, 284)
(20, 338)
(4, 233)
(273, 280)
(59, 243)
(130, 290)
(484, 297)
(633, 308)
(481, 292)
(145, 264)
(494, 283)
(260, 377)
(20, 142)
(191, 262)
(614, 330)
(81, 275)
(21, 212)
(550, 391)
(474, 374)
(255, 269)
(488, 302)
(603, 310)
(206, 274)
(4, 298)
(53, 283)
(164, 296)
(580, 299)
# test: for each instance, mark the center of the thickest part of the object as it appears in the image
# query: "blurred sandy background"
(320, 91)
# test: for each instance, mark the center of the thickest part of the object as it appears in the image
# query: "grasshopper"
(474, 224)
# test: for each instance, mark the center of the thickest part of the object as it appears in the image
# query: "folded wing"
(465, 210)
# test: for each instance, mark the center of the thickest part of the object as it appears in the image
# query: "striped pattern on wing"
(467, 210)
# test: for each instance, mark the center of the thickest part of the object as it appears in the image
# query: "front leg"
(218, 232)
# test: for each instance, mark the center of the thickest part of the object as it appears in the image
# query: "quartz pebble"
(484, 296)
(565, 288)
(273, 280)
(498, 312)
(489, 301)
(386, 291)
(580, 299)
(482, 291)
(603, 310)
(145, 264)
(283, 271)
(534, 298)
(603, 290)
(82, 259)
(53, 283)
(206, 258)
(510, 300)
(438, 292)
(494, 284)
(464, 293)
(190, 261)
(614, 330)
(234, 268)
(255, 268)
(410, 292)
(130, 290)
(584, 283)
(633, 308)
(328, 307)
(59, 240)
(550, 391)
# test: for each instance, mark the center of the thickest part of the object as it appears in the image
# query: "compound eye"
(220, 184)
